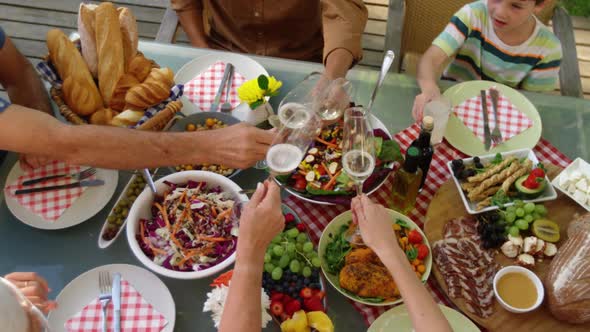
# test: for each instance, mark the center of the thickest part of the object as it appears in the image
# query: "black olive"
(464, 174)
(457, 163)
(471, 172)
(478, 165)
(476, 159)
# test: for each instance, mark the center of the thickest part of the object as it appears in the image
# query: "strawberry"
(306, 293)
(292, 307)
(313, 304)
(301, 227)
(284, 317)
(286, 299)
(319, 294)
(538, 172)
(300, 184)
(422, 251)
(414, 237)
(289, 218)
(276, 308)
(531, 182)
(276, 296)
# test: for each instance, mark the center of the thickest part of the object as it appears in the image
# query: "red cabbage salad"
(190, 228)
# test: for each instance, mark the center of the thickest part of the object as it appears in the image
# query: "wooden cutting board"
(447, 205)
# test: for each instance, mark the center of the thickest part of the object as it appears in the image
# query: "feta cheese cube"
(564, 181)
(582, 185)
(571, 188)
(575, 175)
(580, 196)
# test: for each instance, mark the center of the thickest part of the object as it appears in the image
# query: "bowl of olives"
(117, 218)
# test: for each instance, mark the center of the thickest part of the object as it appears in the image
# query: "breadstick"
(469, 186)
(485, 203)
(495, 179)
(482, 176)
(486, 193)
(527, 167)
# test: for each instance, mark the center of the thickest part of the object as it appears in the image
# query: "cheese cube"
(564, 181)
(580, 196)
(571, 188)
(575, 175)
(582, 185)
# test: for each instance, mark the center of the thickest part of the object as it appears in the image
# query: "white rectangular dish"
(571, 182)
(548, 194)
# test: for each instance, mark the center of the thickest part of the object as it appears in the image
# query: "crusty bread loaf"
(80, 91)
(86, 23)
(568, 280)
(109, 47)
(103, 116)
(126, 82)
(127, 118)
(154, 90)
(141, 66)
(129, 35)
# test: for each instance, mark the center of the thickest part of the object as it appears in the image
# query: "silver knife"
(116, 294)
(217, 99)
(149, 180)
(85, 183)
(486, 125)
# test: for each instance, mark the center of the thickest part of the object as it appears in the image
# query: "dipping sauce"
(517, 290)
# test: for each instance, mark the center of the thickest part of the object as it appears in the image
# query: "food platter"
(561, 210)
(333, 229)
(331, 199)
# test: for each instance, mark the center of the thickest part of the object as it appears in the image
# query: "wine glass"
(358, 154)
(331, 101)
(36, 320)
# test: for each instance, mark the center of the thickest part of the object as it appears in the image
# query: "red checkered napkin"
(49, 205)
(201, 90)
(136, 314)
(512, 121)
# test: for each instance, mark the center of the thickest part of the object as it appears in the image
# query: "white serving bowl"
(529, 274)
(141, 209)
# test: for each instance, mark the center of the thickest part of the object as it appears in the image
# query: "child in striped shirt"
(494, 40)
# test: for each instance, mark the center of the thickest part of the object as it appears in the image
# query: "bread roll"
(129, 35)
(86, 23)
(103, 116)
(127, 118)
(126, 82)
(109, 47)
(80, 91)
(141, 66)
(154, 90)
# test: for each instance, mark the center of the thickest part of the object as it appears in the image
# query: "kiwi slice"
(546, 230)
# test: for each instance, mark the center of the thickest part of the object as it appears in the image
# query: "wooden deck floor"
(27, 22)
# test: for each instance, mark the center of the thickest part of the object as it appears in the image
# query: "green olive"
(117, 209)
(112, 218)
(124, 202)
(130, 192)
(125, 212)
(132, 198)
(120, 221)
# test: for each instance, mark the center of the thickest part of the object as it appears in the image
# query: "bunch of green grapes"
(519, 216)
(290, 250)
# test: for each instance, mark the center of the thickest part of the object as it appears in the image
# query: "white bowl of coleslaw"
(195, 237)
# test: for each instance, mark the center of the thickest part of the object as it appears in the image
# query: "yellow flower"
(250, 92)
(273, 85)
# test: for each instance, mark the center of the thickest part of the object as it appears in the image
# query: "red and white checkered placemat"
(136, 314)
(512, 121)
(201, 90)
(49, 205)
(316, 217)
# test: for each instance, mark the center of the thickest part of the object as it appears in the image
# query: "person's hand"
(374, 222)
(29, 162)
(34, 288)
(421, 100)
(261, 220)
(240, 146)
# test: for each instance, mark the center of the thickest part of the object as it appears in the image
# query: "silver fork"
(104, 284)
(496, 134)
(226, 107)
(76, 176)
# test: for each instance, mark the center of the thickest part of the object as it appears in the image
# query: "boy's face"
(510, 15)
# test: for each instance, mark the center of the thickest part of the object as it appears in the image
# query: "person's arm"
(34, 288)
(377, 232)
(21, 81)
(343, 22)
(261, 221)
(190, 15)
(429, 69)
(28, 131)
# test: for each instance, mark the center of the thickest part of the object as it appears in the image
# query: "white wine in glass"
(358, 146)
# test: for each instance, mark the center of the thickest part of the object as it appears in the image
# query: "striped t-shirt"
(480, 54)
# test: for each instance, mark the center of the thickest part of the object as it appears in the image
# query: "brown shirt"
(294, 29)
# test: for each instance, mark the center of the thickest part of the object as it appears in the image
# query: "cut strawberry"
(276, 296)
(319, 295)
(301, 227)
(292, 307)
(306, 293)
(538, 172)
(289, 217)
(276, 308)
(422, 251)
(414, 237)
(313, 304)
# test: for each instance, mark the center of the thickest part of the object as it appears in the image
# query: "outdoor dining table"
(62, 255)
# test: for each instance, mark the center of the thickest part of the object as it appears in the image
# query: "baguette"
(86, 23)
(154, 90)
(80, 91)
(109, 47)
(126, 82)
(129, 35)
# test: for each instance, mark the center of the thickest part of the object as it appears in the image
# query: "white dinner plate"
(398, 319)
(82, 290)
(376, 124)
(243, 64)
(87, 205)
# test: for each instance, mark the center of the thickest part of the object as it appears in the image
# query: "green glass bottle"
(406, 182)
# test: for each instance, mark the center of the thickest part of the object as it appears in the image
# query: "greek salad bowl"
(186, 230)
